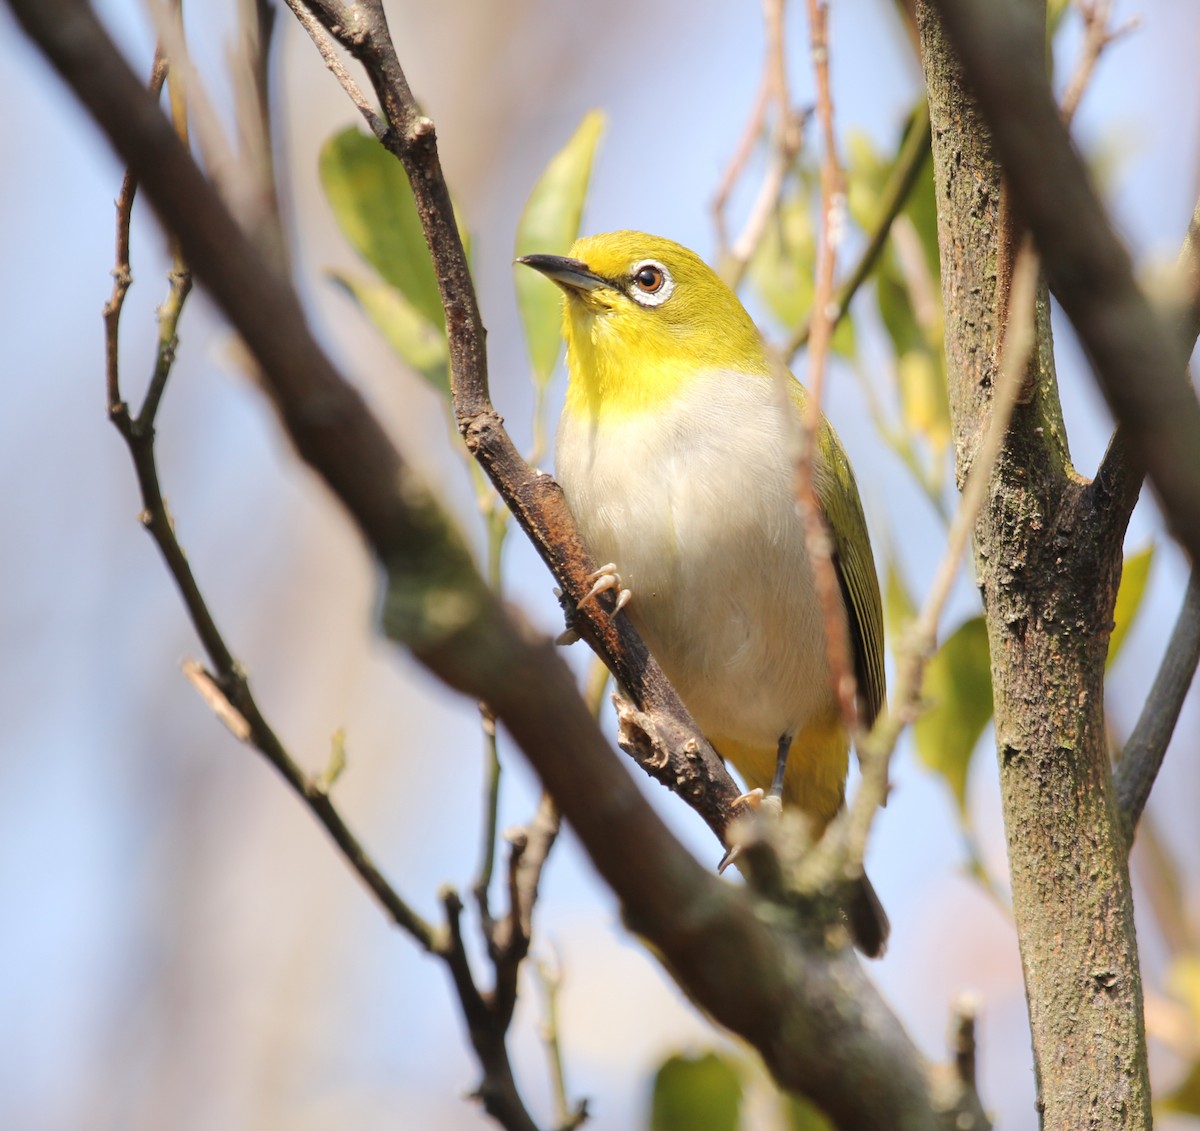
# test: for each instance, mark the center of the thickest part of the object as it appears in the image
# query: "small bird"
(675, 458)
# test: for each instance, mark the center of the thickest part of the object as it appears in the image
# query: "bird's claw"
(604, 579)
(758, 801)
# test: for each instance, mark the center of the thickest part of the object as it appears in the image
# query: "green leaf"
(700, 1093)
(958, 690)
(804, 1116)
(549, 225)
(1134, 575)
(369, 193)
(783, 266)
(418, 342)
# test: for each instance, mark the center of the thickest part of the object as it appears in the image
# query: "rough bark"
(1048, 560)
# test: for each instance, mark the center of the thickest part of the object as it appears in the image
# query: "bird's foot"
(757, 801)
(604, 579)
(761, 806)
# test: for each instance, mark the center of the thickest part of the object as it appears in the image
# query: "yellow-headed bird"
(676, 462)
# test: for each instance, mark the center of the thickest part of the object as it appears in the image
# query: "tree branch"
(1143, 755)
(1048, 566)
(1137, 360)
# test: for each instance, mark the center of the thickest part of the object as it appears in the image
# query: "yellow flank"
(815, 781)
(605, 328)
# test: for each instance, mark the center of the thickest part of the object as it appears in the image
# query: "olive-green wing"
(837, 493)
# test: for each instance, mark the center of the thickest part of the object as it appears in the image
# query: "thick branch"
(1137, 360)
(820, 1025)
(1048, 560)
(1143, 755)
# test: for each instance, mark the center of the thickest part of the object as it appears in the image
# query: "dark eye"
(651, 283)
(649, 278)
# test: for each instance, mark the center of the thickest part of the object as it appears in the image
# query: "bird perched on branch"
(675, 454)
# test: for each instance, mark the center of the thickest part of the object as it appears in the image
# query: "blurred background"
(183, 948)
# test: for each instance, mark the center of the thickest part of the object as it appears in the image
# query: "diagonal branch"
(1143, 755)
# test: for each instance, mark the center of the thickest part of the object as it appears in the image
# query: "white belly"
(696, 506)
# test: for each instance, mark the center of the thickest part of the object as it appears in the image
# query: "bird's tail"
(868, 921)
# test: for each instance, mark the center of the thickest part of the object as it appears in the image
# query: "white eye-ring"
(650, 283)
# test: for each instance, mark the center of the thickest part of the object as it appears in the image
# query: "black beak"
(570, 274)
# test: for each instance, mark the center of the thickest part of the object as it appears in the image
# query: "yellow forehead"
(615, 254)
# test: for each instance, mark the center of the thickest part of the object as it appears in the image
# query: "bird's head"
(641, 316)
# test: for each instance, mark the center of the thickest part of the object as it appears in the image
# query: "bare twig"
(568, 1116)
(787, 138)
(250, 68)
(1097, 36)
(1143, 755)
(328, 51)
(740, 159)
(816, 533)
(497, 1091)
(876, 749)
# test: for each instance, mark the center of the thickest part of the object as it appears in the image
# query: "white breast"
(696, 506)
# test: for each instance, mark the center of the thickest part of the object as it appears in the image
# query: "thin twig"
(567, 1116)
(487, 1022)
(328, 52)
(816, 533)
(1143, 755)
(740, 159)
(250, 71)
(187, 87)
(786, 142)
(876, 749)
(1097, 36)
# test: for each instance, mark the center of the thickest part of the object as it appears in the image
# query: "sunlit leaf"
(410, 334)
(1134, 574)
(369, 193)
(804, 1116)
(549, 225)
(923, 398)
(700, 1093)
(866, 175)
(958, 691)
(782, 268)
